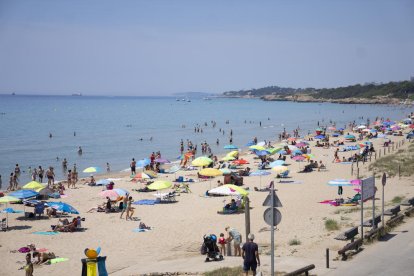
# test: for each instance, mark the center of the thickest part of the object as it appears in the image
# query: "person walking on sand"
(235, 236)
(130, 209)
(250, 254)
(124, 204)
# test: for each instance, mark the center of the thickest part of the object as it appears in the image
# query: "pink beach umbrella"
(299, 158)
(109, 193)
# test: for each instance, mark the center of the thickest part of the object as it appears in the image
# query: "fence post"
(399, 171)
(384, 151)
(327, 257)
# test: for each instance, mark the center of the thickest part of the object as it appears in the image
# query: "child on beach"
(29, 266)
(222, 242)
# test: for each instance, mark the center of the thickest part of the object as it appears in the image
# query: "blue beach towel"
(145, 202)
(46, 233)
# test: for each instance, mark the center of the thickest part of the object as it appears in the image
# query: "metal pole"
(362, 209)
(374, 225)
(247, 215)
(382, 219)
(272, 235)
(327, 257)
(352, 168)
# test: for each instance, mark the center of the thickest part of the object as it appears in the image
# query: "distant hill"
(194, 94)
(370, 93)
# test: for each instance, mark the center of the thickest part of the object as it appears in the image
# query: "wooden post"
(399, 171)
(375, 157)
(384, 151)
(327, 257)
(392, 146)
(352, 168)
(357, 173)
(388, 148)
(247, 215)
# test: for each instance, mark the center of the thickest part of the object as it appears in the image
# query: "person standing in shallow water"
(132, 165)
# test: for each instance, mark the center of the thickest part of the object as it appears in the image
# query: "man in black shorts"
(250, 254)
(133, 164)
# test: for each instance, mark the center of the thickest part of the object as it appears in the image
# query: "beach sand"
(174, 243)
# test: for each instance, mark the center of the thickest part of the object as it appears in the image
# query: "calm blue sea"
(109, 128)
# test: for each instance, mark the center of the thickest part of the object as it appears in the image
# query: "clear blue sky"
(163, 47)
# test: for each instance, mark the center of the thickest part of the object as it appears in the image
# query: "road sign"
(384, 179)
(276, 201)
(268, 216)
(368, 189)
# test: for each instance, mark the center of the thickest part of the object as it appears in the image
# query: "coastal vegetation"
(400, 162)
(403, 90)
(331, 225)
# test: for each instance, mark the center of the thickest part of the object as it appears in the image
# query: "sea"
(117, 129)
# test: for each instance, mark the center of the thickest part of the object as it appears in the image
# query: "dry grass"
(390, 163)
(331, 225)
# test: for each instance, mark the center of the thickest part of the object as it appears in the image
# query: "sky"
(137, 48)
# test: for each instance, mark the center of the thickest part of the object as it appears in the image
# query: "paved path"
(392, 256)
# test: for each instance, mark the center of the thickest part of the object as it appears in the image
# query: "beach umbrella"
(63, 207)
(261, 143)
(332, 128)
(46, 192)
(233, 153)
(283, 152)
(301, 144)
(261, 152)
(299, 158)
(230, 147)
(257, 147)
(103, 182)
(24, 194)
(411, 126)
(297, 152)
(142, 175)
(320, 137)
(143, 163)
(260, 173)
(8, 199)
(109, 193)
(241, 162)
(339, 182)
(309, 155)
(162, 161)
(92, 170)
(362, 126)
(10, 211)
(33, 185)
(225, 171)
(228, 158)
(150, 173)
(280, 169)
(228, 189)
(291, 139)
(349, 137)
(121, 192)
(273, 150)
(251, 143)
(160, 185)
(277, 163)
(211, 172)
(173, 169)
(201, 161)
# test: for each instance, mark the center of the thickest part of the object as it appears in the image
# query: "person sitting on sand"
(29, 265)
(231, 206)
(321, 166)
(71, 227)
(143, 226)
(92, 181)
(51, 212)
(99, 208)
(43, 257)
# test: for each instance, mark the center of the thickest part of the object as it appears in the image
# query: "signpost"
(367, 192)
(272, 217)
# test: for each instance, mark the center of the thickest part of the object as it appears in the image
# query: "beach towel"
(138, 230)
(290, 182)
(46, 233)
(58, 260)
(145, 202)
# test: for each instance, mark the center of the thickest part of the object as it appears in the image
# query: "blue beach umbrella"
(320, 137)
(24, 194)
(349, 136)
(230, 147)
(335, 134)
(10, 211)
(63, 207)
(259, 173)
(261, 152)
(121, 192)
(251, 143)
(277, 163)
(143, 163)
(103, 182)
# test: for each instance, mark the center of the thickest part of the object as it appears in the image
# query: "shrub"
(331, 225)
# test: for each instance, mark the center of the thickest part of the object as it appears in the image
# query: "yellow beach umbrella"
(7, 199)
(33, 185)
(233, 153)
(228, 158)
(160, 185)
(151, 173)
(211, 172)
(201, 161)
(280, 169)
(256, 147)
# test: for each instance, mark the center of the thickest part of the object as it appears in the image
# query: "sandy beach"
(173, 245)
